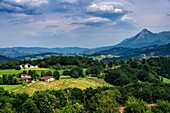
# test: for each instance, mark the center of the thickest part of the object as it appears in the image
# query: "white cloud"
(95, 20)
(168, 14)
(125, 18)
(29, 2)
(105, 7)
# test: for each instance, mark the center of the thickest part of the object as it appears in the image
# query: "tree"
(29, 107)
(49, 73)
(5, 79)
(58, 66)
(134, 105)
(24, 72)
(29, 72)
(43, 73)
(106, 101)
(45, 102)
(110, 64)
(17, 67)
(19, 100)
(56, 75)
(77, 72)
(134, 64)
(164, 106)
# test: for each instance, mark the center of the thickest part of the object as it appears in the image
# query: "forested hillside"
(5, 59)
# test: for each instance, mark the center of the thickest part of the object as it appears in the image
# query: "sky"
(78, 23)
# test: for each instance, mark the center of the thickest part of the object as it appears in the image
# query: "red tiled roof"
(25, 75)
(46, 78)
(25, 78)
(121, 109)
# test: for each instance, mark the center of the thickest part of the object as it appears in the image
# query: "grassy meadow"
(165, 80)
(81, 83)
(15, 72)
(11, 88)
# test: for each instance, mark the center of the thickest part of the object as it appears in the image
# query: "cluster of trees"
(94, 70)
(10, 65)
(58, 62)
(36, 76)
(133, 71)
(105, 99)
(8, 80)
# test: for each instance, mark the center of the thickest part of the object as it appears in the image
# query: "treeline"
(36, 76)
(134, 71)
(55, 62)
(9, 80)
(134, 97)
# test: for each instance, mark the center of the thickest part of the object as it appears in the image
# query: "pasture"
(15, 72)
(81, 83)
(11, 88)
(165, 80)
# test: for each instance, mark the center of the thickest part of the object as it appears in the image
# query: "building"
(25, 77)
(47, 79)
(28, 66)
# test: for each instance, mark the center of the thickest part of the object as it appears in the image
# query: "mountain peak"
(142, 34)
(145, 31)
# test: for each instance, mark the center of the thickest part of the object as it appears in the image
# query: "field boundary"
(25, 86)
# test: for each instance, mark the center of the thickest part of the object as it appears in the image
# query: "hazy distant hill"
(24, 51)
(155, 50)
(5, 59)
(37, 56)
(146, 38)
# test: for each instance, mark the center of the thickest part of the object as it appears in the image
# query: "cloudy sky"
(82, 23)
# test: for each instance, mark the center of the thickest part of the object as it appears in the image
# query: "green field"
(11, 87)
(15, 72)
(81, 83)
(165, 80)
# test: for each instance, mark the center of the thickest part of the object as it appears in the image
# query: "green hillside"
(5, 59)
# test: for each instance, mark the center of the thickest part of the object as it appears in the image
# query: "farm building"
(25, 77)
(47, 79)
(28, 66)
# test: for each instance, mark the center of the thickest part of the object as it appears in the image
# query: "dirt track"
(99, 81)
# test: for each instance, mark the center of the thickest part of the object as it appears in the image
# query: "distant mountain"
(5, 59)
(143, 39)
(151, 50)
(24, 51)
(37, 56)
(146, 38)
(155, 50)
(118, 51)
(13, 53)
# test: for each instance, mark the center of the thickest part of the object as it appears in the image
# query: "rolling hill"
(5, 59)
(137, 53)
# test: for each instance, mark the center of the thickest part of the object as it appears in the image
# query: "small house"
(25, 75)
(47, 79)
(28, 66)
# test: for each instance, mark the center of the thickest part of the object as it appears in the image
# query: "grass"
(11, 88)
(101, 79)
(15, 72)
(165, 80)
(81, 83)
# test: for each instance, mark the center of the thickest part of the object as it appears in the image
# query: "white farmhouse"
(28, 66)
(47, 79)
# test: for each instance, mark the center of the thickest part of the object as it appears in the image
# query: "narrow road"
(99, 81)
(25, 86)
